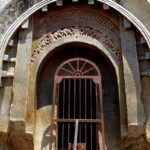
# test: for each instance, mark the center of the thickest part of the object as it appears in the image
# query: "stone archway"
(45, 91)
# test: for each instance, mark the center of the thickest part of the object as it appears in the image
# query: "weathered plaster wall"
(140, 8)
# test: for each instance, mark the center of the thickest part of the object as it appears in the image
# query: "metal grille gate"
(77, 110)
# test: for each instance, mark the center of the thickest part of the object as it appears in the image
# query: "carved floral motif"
(75, 32)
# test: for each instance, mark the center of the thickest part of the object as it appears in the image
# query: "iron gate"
(77, 110)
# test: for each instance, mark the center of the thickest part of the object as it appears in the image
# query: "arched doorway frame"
(89, 41)
(78, 75)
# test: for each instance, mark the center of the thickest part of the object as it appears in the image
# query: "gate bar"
(80, 104)
(85, 92)
(64, 97)
(76, 135)
(91, 115)
(80, 120)
(69, 111)
(74, 98)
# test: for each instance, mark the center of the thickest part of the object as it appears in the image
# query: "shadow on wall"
(46, 139)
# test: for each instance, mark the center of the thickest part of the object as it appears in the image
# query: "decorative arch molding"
(85, 40)
(43, 3)
(36, 66)
(76, 33)
(103, 50)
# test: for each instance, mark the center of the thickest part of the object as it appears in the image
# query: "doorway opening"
(77, 108)
(49, 72)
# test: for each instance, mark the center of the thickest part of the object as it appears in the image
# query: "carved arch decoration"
(77, 32)
(100, 47)
(85, 41)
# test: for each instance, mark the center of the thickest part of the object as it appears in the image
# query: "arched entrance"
(77, 103)
(77, 96)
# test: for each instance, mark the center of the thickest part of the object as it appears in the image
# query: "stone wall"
(139, 8)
